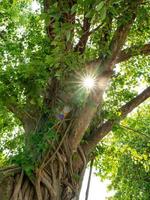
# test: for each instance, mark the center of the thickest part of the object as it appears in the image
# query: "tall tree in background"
(51, 124)
(125, 157)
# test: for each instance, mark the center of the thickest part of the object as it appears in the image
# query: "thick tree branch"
(12, 107)
(66, 15)
(128, 53)
(125, 55)
(49, 26)
(27, 117)
(80, 47)
(98, 134)
(118, 40)
(85, 116)
(121, 33)
(135, 131)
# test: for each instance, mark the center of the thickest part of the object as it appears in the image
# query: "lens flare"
(85, 83)
(88, 82)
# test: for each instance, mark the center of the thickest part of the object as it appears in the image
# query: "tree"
(125, 157)
(51, 123)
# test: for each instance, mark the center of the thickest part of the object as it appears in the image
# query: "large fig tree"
(69, 71)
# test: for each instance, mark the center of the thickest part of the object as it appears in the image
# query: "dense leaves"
(46, 48)
(125, 159)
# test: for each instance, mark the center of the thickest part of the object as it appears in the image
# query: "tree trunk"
(58, 177)
(54, 182)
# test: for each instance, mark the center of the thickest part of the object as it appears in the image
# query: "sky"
(35, 6)
(98, 189)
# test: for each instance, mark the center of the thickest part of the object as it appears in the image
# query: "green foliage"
(129, 78)
(125, 159)
(29, 58)
(34, 149)
(11, 136)
(22, 52)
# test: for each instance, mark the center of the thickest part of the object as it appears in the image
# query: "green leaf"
(100, 6)
(103, 13)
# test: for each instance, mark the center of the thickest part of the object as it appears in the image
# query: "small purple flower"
(61, 116)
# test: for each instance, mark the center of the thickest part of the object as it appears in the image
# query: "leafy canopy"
(33, 54)
(125, 157)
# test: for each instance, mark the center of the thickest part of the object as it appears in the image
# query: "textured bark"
(57, 175)
(136, 50)
(60, 171)
(103, 129)
(80, 47)
(82, 122)
(55, 180)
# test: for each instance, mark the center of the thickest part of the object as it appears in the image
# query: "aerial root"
(19, 179)
(46, 194)
(43, 188)
(47, 182)
(82, 155)
(61, 166)
(25, 187)
(20, 195)
(38, 188)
